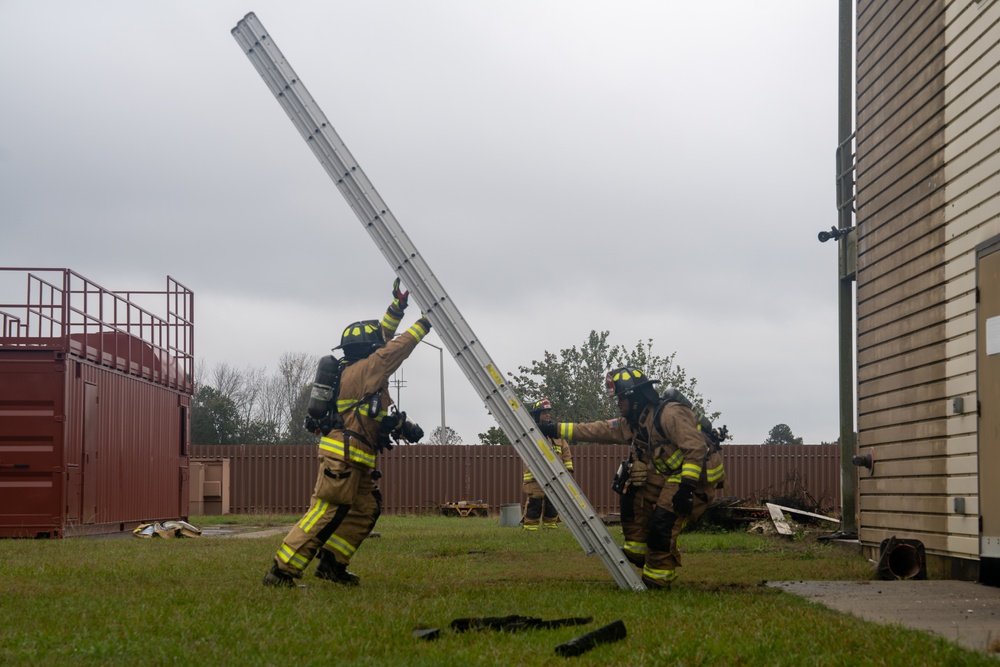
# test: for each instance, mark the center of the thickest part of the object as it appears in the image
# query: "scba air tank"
(325, 387)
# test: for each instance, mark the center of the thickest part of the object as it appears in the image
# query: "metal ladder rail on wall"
(588, 529)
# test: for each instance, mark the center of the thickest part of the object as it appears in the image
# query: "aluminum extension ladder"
(409, 265)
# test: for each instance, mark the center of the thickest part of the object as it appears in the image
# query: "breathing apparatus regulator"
(395, 426)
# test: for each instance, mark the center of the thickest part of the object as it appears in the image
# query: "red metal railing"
(63, 310)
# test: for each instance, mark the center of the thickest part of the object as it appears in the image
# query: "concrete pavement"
(961, 611)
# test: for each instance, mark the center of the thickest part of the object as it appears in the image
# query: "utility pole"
(441, 356)
(847, 253)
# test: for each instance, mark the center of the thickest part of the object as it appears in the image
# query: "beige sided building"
(928, 279)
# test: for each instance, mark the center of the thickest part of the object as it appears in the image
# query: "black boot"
(331, 570)
(276, 577)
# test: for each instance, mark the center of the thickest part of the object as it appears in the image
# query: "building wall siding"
(928, 178)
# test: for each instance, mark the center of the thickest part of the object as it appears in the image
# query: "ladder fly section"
(409, 265)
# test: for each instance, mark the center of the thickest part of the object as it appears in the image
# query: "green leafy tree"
(782, 434)
(494, 436)
(214, 418)
(573, 379)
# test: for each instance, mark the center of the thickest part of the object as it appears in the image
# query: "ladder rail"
(412, 269)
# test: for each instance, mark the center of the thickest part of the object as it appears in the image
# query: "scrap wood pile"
(768, 518)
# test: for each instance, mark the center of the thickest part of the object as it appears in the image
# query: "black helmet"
(625, 381)
(361, 339)
(538, 407)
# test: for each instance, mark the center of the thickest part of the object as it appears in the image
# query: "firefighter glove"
(683, 500)
(390, 422)
(412, 432)
(549, 430)
(400, 298)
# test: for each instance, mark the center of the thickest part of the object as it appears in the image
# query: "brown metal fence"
(278, 479)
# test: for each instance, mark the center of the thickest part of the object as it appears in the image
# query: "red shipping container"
(95, 396)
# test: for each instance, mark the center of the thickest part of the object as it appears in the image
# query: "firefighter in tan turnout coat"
(345, 503)
(683, 466)
(539, 512)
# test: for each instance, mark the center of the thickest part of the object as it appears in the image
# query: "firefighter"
(538, 510)
(682, 472)
(345, 503)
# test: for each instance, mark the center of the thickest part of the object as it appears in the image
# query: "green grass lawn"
(130, 601)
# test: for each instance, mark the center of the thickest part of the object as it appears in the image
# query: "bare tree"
(268, 408)
(295, 371)
(227, 380)
(272, 407)
(445, 436)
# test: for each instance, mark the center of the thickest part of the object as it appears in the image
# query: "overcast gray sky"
(656, 169)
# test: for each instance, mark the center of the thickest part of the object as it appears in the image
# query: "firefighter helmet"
(538, 407)
(625, 381)
(361, 339)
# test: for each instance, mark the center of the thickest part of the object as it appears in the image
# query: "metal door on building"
(988, 392)
(91, 425)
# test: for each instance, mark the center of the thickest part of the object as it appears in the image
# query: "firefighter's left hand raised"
(400, 298)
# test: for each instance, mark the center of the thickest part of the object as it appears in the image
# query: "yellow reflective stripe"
(340, 545)
(358, 455)
(364, 409)
(362, 457)
(675, 460)
(289, 557)
(675, 479)
(313, 515)
(691, 471)
(715, 474)
(531, 526)
(635, 547)
(332, 446)
(566, 431)
(417, 331)
(569, 467)
(528, 477)
(665, 576)
(390, 321)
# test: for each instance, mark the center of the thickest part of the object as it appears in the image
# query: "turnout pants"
(635, 512)
(342, 512)
(664, 527)
(538, 511)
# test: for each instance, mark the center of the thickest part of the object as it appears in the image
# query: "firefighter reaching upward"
(538, 510)
(345, 503)
(684, 466)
